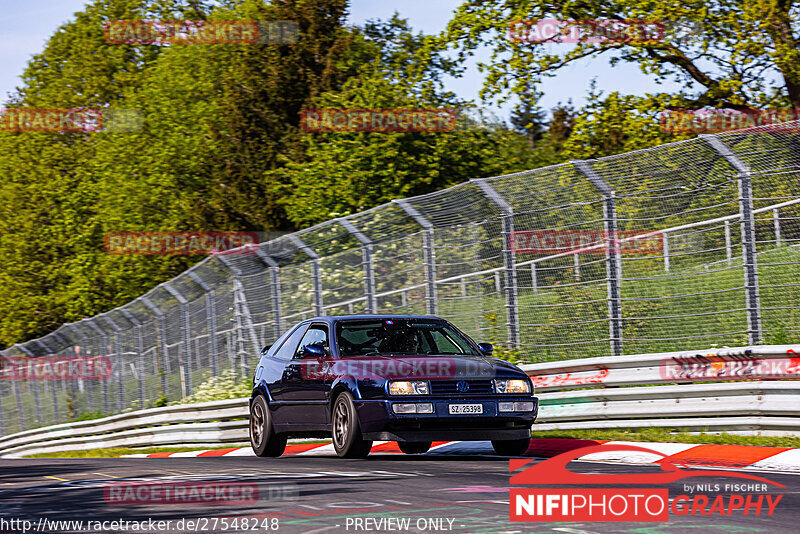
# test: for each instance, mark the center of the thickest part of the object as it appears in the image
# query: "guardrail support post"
(186, 360)
(275, 282)
(507, 221)
(161, 326)
(369, 267)
(429, 254)
(315, 274)
(748, 235)
(613, 259)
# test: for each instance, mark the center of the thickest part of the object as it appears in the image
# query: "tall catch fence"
(689, 244)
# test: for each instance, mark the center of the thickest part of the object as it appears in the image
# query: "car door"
(305, 380)
(281, 359)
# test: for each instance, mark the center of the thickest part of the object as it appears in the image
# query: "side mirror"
(486, 349)
(265, 349)
(313, 351)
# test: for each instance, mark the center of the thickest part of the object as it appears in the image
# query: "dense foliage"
(221, 146)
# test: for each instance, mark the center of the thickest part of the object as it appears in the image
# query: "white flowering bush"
(227, 385)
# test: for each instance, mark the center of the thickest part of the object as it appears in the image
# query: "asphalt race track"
(327, 494)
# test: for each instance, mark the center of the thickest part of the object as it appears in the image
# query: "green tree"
(736, 54)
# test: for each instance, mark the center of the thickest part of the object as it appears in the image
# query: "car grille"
(450, 387)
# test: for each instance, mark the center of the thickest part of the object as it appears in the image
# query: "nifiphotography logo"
(618, 497)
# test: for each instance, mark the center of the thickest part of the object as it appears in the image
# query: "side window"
(316, 335)
(289, 347)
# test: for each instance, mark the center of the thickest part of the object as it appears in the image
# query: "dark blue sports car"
(405, 378)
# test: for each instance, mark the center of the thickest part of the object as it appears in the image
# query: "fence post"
(429, 254)
(3, 355)
(211, 320)
(186, 360)
(243, 320)
(34, 384)
(754, 333)
(103, 383)
(29, 354)
(19, 405)
(90, 405)
(369, 267)
(118, 348)
(161, 325)
(275, 279)
(613, 259)
(507, 220)
(776, 221)
(139, 353)
(665, 241)
(534, 279)
(728, 247)
(315, 274)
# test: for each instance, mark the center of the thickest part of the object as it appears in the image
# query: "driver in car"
(405, 342)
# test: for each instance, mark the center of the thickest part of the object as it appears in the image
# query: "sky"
(27, 24)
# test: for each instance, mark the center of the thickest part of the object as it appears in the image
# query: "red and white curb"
(731, 456)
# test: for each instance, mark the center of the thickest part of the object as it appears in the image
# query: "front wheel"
(414, 447)
(347, 439)
(263, 439)
(511, 447)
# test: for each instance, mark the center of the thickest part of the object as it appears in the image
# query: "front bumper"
(379, 422)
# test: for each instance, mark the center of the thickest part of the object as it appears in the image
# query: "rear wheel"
(263, 439)
(347, 439)
(414, 447)
(511, 447)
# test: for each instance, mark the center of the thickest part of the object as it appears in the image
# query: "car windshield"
(400, 336)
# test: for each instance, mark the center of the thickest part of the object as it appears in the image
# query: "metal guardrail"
(743, 390)
(205, 423)
(739, 390)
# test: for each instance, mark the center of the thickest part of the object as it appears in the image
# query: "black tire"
(414, 447)
(346, 430)
(511, 447)
(263, 439)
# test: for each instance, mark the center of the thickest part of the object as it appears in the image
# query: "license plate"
(461, 409)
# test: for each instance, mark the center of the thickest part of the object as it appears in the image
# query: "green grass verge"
(658, 434)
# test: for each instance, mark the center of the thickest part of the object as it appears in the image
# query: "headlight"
(514, 385)
(413, 387)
